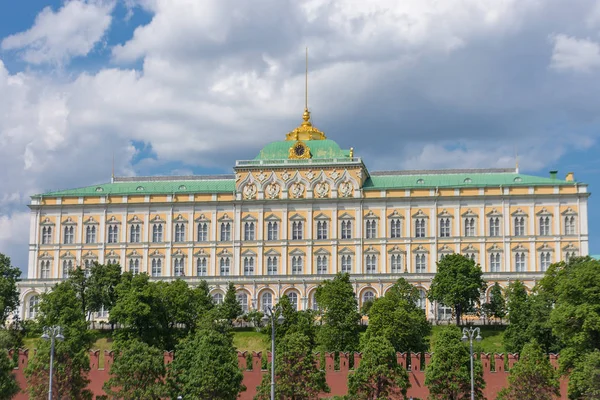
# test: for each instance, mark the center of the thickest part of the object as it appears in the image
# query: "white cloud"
(570, 53)
(56, 37)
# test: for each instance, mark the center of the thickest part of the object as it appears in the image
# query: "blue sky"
(179, 87)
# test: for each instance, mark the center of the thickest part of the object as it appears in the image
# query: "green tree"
(138, 372)
(206, 366)
(8, 383)
(448, 376)
(575, 318)
(458, 283)
(519, 317)
(378, 376)
(397, 318)
(584, 380)
(62, 307)
(496, 307)
(296, 372)
(532, 378)
(9, 294)
(231, 307)
(101, 286)
(340, 329)
(79, 281)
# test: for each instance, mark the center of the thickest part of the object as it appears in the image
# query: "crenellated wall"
(495, 371)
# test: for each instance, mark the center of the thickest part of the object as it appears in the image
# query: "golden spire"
(306, 131)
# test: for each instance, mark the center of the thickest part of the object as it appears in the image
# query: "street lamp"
(468, 334)
(270, 313)
(52, 333)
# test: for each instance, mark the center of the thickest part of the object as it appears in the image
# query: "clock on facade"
(299, 150)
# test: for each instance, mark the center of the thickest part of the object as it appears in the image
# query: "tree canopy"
(458, 283)
(9, 294)
(532, 377)
(496, 306)
(584, 380)
(378, 376)
(448, 375)
(340, 329)
(397, 318)
(230, 308)
(8, 383)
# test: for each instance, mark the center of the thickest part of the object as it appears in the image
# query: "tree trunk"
(458, 314)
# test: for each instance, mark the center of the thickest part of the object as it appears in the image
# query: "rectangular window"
(347, 264)
(321, 230)
(469, 226)
(444, 227)
(45, 269)
(570, 227)
(519, 226)
(520, 262)
(249, 231)
(67, 268)
(90, 234)
(248, 265)
(69, 235)
(296, 265)
(346, 229)
(495, 262)
(272, 265)
(421, 263)
(494, 226)
(396, 263)
(134, 266)
(157, 233)
(179, 233)
(113, 234)
(156, 267)
(545, 260)
(297, 230)
(203, 232)
(134, 233)
(272, 230)
(225, 232)
(395, 228)
(46, 235)
(201, 267)
(224, 266)
(420, 228)
(178, 267)
(371, 264)
(371, 231)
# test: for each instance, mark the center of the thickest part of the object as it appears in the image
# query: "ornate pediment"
(420, 214)
(396, 250)
(469, 214)
(544, 213)
(180, 218)
(495, 248)
(569, 211)
(470, 249)
(371, 215)
(445, 249)
(90, 221)
(520, 248)
(395, 214)
(445, 214)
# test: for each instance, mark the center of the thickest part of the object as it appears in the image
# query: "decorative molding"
(569, 211)
(520, 248)
(420, 214)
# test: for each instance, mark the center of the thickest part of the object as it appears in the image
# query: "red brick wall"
(494, 375)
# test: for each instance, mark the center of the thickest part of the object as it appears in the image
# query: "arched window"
(69, 235)
(422, 301)
(273, 230)
(225, 231)
(293, 296)
(314, 304)
(469, 226)
(420, 230)
(371, 264)
(46, 235)
(113, 234)
(134, 266)
(202, 232)
(45, 269)
(322, 230)
(570, 226)
(520, 262)
(32, 306)
(494, 226)
(368, 295)
(179, 232)
(157, 267)
(266, 301)
(272, 265)
(90, 234)
(346, 229)
(249, 231)
(297, 230)
(201, 267)
(157, 233)
(218, 298)
(421, 263)
(396, 263)
(545, 260)
(544, 226)
(371, 226)
(395, 228)
(444, 227)
(134, 233)
(248, 265)
(67, 267)
(296, 265)
(347, 264)
(321, 265)
(242, 298)
(178, 267)
(224, 266)
(495, 262)
(519, 226)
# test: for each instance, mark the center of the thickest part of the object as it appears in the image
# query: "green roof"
(318, 149)
(142, 187)
(406, 180)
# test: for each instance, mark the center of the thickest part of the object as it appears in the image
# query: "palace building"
(300, 211)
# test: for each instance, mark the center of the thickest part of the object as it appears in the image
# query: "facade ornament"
(297, 190)
(359, 174)
(345, 189)
(261, 176)
(250, 191)
(334, 175)
(285, 176)
(321, 189)
(273, 190)
(238, 176)
(310, 175)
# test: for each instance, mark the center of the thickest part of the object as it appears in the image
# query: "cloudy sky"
(189, 86)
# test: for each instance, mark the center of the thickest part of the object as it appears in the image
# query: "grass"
(251, 341)
(491, 339)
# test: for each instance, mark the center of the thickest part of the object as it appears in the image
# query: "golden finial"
(351, 152)
(306, 131)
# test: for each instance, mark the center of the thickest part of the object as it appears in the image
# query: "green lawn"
(491, 339)
(251, 341)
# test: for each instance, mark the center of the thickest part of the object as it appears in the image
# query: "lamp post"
(468, 334)
(52, 333)
(270, 313)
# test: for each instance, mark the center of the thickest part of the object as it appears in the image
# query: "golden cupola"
(306, 130)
